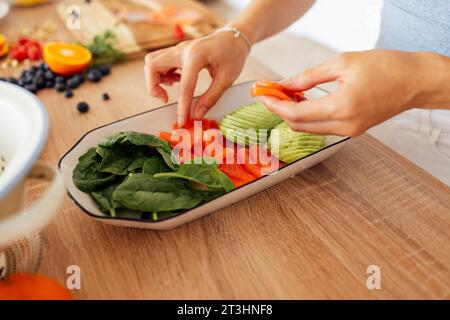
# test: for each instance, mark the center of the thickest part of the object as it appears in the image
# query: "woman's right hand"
(220, 53)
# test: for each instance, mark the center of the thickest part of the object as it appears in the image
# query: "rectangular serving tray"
(161, 119)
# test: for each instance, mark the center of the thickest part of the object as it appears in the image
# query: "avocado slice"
(289, 145)
(252, 116)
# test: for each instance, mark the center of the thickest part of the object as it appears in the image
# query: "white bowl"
(161, 119)
(4, 8)
(23, 133)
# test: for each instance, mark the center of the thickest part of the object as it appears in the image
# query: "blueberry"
(60, 79)
(31, 87)
(21, 82)
(39, 82)
(24, 74)
(94, 75)
(40, 73)
(50, 84)
(79, 77)
(28, 79)
(13, 80)
(105, 69)
(2, 79)
(33, 69)
(105, 96)
(60, 87)
(68, 94)
(73, 83)
(43, 66)
(49, 75)
(82, 107)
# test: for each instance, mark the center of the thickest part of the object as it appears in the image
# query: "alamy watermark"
(373, 281)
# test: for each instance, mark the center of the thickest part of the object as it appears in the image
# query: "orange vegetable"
(238, 182)
(24, 286)
(274, 89)
(269, 84)
(271, 92)
(238, 171)
(196, 134)
(66, 58)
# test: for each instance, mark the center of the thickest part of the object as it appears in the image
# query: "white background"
(342, 25)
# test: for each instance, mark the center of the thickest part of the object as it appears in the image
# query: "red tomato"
(23, 41)
(33, 52)
(178, 32)
(18, 53)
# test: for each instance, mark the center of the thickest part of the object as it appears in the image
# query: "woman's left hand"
(373, 86)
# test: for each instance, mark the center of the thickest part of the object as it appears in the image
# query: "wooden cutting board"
(139, 24)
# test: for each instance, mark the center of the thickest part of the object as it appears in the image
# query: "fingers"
(313, 76)
(322, 109)
(333, 127)
(187, 88)
(158, 66)
(220, 83)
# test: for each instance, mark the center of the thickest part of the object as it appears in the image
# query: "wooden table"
(312, 236)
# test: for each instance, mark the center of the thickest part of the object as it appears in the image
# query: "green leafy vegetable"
(102, 49)
(86, 176)
(104, 198)
(143, 192)
(205, 175)
(155, 165)
(132, 174)
(141, 139)
(115, 160)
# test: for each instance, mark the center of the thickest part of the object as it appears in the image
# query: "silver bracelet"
(236, 33)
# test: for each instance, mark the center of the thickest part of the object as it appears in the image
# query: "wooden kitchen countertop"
(312, 236)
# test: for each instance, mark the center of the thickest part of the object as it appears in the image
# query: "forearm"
(433, 81)
(264, 18)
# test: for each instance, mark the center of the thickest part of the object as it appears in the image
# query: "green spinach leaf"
(155, 165)
(203, 175)
(143, 192)
(104, 198)
(141, 139)
(86, 175)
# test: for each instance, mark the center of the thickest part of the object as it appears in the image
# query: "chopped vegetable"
(274, 89)
(134, 171)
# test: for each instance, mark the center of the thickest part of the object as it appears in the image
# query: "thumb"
(312, 77)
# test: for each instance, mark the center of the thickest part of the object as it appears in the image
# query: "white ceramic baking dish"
(161, 119)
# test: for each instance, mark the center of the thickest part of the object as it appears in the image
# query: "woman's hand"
(222, 54)
(373, 87)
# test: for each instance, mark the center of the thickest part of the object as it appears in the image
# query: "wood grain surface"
(312, 236)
